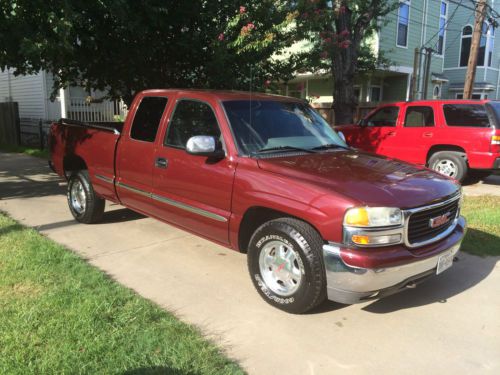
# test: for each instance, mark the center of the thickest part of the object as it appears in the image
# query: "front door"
(193, 191)
(379, 129)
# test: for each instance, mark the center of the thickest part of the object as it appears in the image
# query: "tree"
(337, 29)
(336, 32)
(122, 47)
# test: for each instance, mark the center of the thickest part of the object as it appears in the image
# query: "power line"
(444, 26)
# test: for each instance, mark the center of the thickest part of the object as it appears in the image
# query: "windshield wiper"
(329, 146)
(285, 148)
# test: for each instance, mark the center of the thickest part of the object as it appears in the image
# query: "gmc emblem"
(439, 220)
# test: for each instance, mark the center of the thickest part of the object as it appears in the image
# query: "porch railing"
(106, 111)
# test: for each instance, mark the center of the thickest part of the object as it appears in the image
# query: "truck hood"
(371, 180)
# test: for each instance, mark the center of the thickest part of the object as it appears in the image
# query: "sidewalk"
(448, 325)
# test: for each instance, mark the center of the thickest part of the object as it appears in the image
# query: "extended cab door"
(136, 152)
(193, 191)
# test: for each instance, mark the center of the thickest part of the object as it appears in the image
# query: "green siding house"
(443, 25)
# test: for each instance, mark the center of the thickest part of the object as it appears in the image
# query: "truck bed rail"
(112, 127)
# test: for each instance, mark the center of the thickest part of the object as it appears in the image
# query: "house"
(443, 25)
(33, 94)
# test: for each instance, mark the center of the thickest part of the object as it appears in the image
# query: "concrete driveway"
(450, 324)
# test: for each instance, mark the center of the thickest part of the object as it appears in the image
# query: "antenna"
(251, 87)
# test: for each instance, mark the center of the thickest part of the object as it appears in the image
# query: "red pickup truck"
(453, 137)
(267, 176)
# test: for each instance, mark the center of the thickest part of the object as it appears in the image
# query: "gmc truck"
(267, 176)
(457, 138)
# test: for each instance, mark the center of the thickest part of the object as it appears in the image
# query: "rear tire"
(450, 163)
(286, 266)
(85, 206)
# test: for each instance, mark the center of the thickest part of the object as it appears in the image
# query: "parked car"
(453, 137)
(267, 176)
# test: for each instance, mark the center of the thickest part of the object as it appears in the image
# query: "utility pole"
(414, 78)
(474, 48)
(427, 71)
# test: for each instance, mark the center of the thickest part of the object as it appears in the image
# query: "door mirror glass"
(204, 145)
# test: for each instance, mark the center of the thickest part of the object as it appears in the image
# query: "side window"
(147, 118)
(419, 117)
(470, 115)
(386, 116)
(191, 118)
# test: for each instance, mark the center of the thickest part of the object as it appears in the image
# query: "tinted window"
(386, 116)
(473, 115)
(418, 117)
(147, 118)
(191, 118)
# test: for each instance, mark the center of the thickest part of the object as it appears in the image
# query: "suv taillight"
(495, 143)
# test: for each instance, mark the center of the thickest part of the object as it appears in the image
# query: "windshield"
(261, 125)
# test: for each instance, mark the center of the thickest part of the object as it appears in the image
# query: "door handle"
(428, 135)
(161, 163)
(391, 134)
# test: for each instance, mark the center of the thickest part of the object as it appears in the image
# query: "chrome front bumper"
(348, 284)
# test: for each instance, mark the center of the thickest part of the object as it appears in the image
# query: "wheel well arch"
(254, 217)
(444, 147)
(73, 163)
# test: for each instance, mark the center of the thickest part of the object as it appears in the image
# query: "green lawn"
(483, 219)
(44, 154)
(59, 315)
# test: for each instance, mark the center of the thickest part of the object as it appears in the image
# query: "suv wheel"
(85, 206)
(286, 265)
(450, 163)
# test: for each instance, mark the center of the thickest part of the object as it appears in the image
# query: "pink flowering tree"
(337, 31)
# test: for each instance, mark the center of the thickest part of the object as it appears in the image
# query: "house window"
(375, 93)
(442, 27)
(465, 46)
(403, 22)
(486, 45)
(437, 92)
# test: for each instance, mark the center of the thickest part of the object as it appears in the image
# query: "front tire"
(286, 265)
(450, 163)
(85, 206)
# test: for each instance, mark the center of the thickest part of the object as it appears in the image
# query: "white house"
(32, 93)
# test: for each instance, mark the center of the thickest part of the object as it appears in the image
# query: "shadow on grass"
(157, 370)
(10, 229)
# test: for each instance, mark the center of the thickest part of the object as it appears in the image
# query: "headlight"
(373, 217)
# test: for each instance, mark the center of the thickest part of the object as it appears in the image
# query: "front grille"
(419, 228)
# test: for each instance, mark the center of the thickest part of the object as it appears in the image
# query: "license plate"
(444, 262)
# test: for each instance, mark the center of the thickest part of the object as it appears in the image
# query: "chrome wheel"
(446, 167)
(281, 268)
(77, 197)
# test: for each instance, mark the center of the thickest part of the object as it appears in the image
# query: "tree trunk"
(344, 102)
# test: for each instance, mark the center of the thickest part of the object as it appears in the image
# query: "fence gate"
(9, 124)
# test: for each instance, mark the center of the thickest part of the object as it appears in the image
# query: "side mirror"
(204, 145)
(342, 136)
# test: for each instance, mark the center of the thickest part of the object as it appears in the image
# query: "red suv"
(453, 137)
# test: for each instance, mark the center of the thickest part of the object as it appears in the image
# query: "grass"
(483, 219)
(60, 315)
(44, 154)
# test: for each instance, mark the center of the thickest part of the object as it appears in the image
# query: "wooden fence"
(9, 124)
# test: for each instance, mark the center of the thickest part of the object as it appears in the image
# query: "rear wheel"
(450, 163)
(286, 265)
(85, 206)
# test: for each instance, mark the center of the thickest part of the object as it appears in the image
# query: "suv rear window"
(469, 115)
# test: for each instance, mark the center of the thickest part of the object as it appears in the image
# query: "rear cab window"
(466, 115)
(419, 117)
(147, 118)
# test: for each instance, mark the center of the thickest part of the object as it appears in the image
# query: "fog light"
(369, 239)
